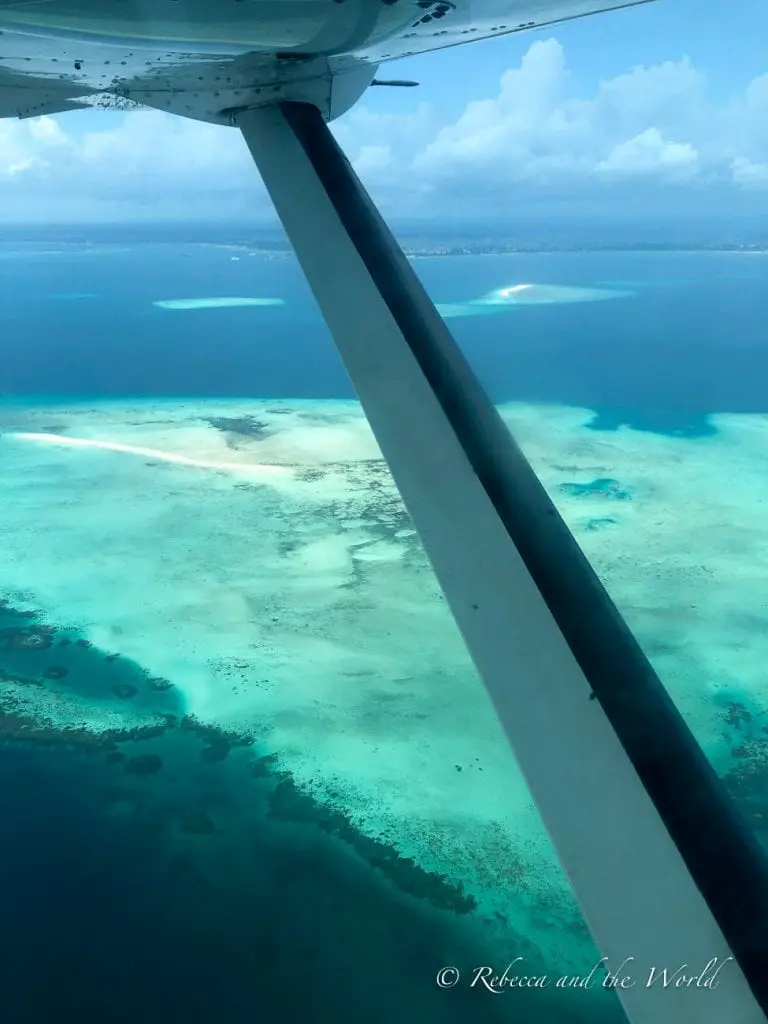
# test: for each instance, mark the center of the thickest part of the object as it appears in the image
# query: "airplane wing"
(70, 54)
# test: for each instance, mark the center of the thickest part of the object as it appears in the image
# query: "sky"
(658, 110)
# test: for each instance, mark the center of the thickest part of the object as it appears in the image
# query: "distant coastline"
(505, 250)
(428, 250)
(425, 248)
(417, 241)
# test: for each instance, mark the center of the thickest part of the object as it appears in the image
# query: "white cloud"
(649, 153)
(649, 128)
(373, 160)
(749, 174)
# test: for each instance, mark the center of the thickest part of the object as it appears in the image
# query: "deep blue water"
(690, 340)
(203, 891)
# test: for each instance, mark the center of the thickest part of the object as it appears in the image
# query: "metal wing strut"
(666, 872)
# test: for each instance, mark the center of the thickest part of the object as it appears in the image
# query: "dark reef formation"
(747, 778)
(599, 523)
(289, 803)
(737, 716)
(125, 691)
(21, 727)
(601, 487)
(144, 764)
(217, 741)
(16, 726)
(35, 653)
(310, 476)
(29, 638)
(244, 426)
(265, 766)
(747, 783)
(93, 675)
(286, 801)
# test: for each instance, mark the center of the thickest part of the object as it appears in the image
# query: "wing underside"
(72, 54)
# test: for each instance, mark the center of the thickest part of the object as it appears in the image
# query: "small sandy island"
(215, 303)
(513, 290)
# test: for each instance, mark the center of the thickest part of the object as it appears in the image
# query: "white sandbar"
(216, 303)
(152, 453)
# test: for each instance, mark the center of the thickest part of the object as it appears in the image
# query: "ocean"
(247, 770)
(688, 340)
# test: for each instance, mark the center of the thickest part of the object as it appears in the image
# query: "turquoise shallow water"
(197, 703)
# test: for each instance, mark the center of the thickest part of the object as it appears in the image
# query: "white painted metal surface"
(200, 58)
